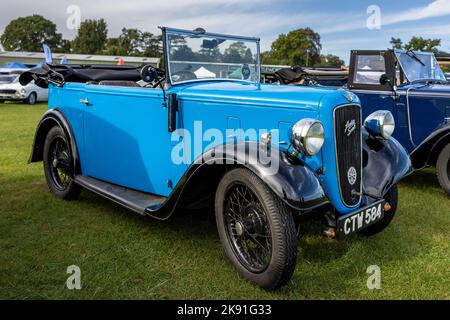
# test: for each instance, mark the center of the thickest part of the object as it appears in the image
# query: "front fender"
(385, 162)
(292, 181)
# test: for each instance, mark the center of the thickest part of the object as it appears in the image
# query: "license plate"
(361, 219)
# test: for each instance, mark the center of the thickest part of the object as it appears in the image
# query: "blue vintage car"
(206, 132)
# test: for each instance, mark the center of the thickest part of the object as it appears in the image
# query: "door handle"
(85, 101)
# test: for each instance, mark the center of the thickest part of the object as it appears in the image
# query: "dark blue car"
(206, 132)
(413, 87)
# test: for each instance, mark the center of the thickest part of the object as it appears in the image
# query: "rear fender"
(425, 153)
(51, 118)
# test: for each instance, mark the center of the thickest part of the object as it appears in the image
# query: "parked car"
(413, 88)
(12, 90)
(154, 140)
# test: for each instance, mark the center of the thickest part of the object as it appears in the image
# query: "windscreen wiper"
(413, 55)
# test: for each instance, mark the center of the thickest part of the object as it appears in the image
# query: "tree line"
(30, 33)
(416, 44)
(298, 47)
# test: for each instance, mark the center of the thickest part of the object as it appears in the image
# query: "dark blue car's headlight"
(380, 123)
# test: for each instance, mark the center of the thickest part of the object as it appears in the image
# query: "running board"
(137, 201)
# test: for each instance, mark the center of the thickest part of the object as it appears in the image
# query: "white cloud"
(436, 8)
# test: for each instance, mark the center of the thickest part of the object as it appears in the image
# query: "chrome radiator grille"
(7, 91)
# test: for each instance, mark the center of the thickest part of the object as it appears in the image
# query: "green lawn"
(124, 256)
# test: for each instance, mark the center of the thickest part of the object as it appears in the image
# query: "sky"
(343, 25)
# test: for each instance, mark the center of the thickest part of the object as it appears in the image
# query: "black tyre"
(58, 165)
(256, 229)
(32, 98)
(443, 169)
(392, 198)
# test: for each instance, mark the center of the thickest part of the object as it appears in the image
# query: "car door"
(428, 108)
(127, 140)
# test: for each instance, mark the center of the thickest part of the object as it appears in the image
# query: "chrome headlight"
(23, 91)
(308, 136)
(380, 123)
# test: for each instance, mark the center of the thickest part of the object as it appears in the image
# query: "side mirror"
(149, 73)
(173, 109)
(384, 79)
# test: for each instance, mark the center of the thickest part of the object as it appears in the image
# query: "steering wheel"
(183, 76)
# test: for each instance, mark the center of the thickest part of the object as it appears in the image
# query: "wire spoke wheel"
(60, 163)
(256, 229)
(247, 228)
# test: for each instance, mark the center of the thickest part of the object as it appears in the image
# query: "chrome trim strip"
(336, 156)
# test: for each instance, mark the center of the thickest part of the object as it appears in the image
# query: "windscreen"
(194, 57)
(8, 78)
(420, 66)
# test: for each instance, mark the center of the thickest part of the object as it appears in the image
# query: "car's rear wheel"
(58, 165)
(443, 169)
(257, 231)
(391, 197)
(32, 98)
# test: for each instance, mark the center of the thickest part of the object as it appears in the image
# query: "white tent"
(203, 73)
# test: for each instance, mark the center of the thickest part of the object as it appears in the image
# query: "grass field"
(124, 256)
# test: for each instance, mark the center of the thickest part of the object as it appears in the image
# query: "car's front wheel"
(32, 98)
(391, 198)
(58, 165)
(256, 229)
(443, 169)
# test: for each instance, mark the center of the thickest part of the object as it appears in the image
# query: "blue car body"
(130, 146)
(120, 136)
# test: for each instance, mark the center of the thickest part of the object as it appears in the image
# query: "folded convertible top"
(59, 74)
(288, 75)
(296, 74)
